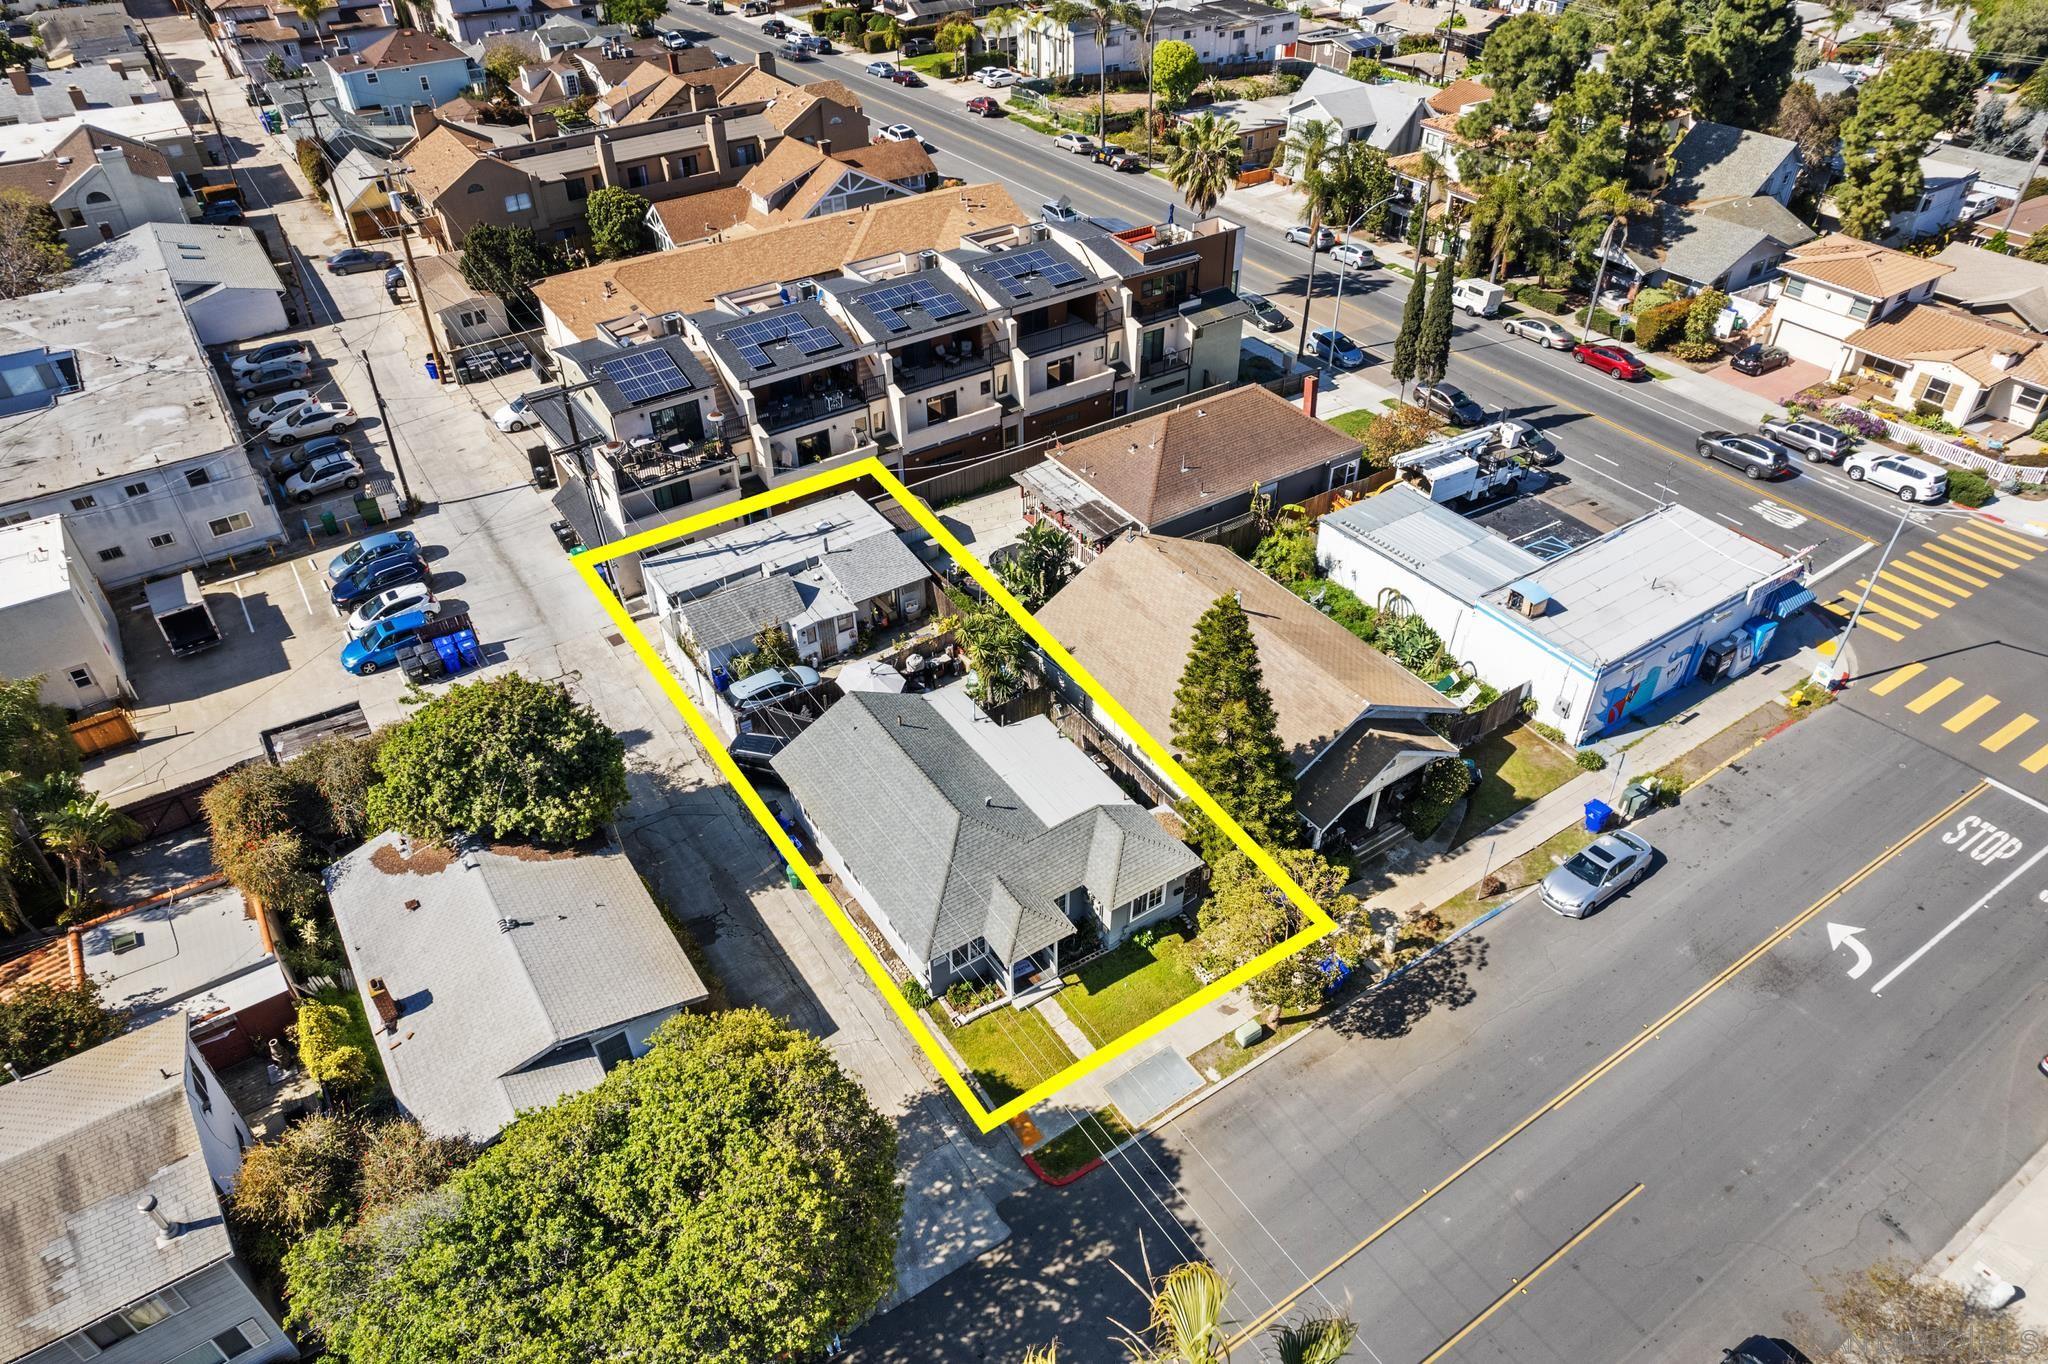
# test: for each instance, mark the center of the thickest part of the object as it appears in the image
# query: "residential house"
(99, 185)
(1721, 220)
(1225, 34)
(1261, 124)
(1993, 286)
(33, 94)
(1945, 182)
(1598, 632)
(115, 419)
(160, 126)
(55, 622)
(252, 43)
(2003, 178)
(77, 34)
(359, 193)
(2018, 225)
(1351, 719)
(222, 276)
(1466, 27)
(501, 978)
(1384, 114)
(116, 1163)
(994, 844)
(799, 180)
(1717, 162)
(474, 21)
(1334, 46)
(465, 317)
(1187, 468)
(1987, 377)
(825, 574)
(1441, 152)
(1836, 286)
(403, 69)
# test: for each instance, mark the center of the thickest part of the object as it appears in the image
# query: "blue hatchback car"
(1334, 346)
(368, 551)
(374, 576)
(378, 646)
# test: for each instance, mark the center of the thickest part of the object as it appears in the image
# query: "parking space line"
(1898, 679)
(301, 583)
(1934, 696)
(1956, 541)
(243, 602)
(1895, 599)
(1937, 547)
(2036, 760)
(1886, 576)
(1970, 714)
(1949, 569)
(2013, 729)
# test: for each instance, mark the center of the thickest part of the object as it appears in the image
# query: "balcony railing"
(1164, 363)
(913, 378)
(1165, 305)
(838, 399)
(1066, 335)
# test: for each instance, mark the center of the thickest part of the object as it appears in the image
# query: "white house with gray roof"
(500, 979)
(977, 849)
(114, 1164)
(1383, 114)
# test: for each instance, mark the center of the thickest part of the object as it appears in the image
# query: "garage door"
(1804, 343)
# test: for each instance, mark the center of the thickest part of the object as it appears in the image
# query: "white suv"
(1914, 480)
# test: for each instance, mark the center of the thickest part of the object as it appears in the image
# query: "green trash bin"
(796, 881)
(328, 524)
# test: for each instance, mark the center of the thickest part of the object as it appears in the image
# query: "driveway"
(1776, 386)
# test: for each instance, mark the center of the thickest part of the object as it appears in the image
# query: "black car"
(365, 583)
(1452, 404)
(1264, 315)
(1755, 456)
(272, 378)
(289, 460)
(355, 259)
(222, 213)
(1757, 358)
(1763, 1350)
(755, 752)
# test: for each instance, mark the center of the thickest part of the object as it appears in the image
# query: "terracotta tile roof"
(687, 279)
(1974, 345)
(696, 216)
(405, 47)
(889, 160)
(1167, 463)
(1861, 267)
(1448, 126)
(438, 160)
(1458, 94)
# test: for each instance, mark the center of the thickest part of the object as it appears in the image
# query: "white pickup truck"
(1471, 466)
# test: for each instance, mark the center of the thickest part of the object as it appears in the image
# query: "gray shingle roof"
(870, 567)
(1720, 161)
(738, 611)
(586, 950)
(80, 1144)
(947, 850)
(1703, 245)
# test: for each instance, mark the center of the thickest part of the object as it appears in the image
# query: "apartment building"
(1224, 33)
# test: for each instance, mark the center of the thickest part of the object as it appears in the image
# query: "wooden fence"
(1502, 711)
(98, 733)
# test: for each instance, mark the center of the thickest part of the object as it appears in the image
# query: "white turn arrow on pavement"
(1843, 933)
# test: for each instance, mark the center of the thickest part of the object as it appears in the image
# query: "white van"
(1478, 297)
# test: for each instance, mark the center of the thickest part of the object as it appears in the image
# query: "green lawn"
(1353, 424)
(1516, 766)
(1524, 871)
(1086, 1140)
(1132, 985)
(1007, 1051)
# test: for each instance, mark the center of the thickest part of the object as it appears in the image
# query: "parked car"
(983, 107)
(1078, 143)
(356, 259)
(777, 28)
(378, 647)
(1912, 478)
(1763, 1350)
(1757, 358)
(393, 601)
(367, 551)
(289, 459)
(1353, 256)
(221, 213)
(1603, 869)
(897, 132)
(1324, 238)
(1477, 297)
(997, 77)
(323, 476)
(381, 576)
(271, 353)
(917, 47)
(1060, 210)
(314, 419)
(515, 416)
(754, 7)
(1610, 360)
(1264, 315)
(796, 52)
(1541, 330)
(1120, 161)
(674, 41)
(1334, 346)
(1451, 403)
(1756, 456)
(281, 377)
(908, 79)
(1816, 440)
(770, 686)
(262, 414)
(882, 69)
(818, 43)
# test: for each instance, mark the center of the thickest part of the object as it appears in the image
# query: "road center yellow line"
(1626, 1050)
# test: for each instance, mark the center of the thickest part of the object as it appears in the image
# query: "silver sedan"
(1541, 330)
(1603, 869)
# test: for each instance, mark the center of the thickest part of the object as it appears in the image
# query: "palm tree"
(79, 832)
(997, 20)
(1189, 1323)
(1148, 17)
(1620, 206)
(1106, 15)
(1306, 155)
(1204, 161)
(1504, 217)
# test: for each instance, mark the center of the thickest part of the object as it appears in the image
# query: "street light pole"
(1337, 316)
(1599, 278)
(1841, 644)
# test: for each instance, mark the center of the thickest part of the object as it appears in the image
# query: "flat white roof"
(33, 564)
(194, 952)
(1054, 777)
(153, 123)
(772, 545)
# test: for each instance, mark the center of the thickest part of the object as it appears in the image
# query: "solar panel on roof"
(645, 375)
(1013, 268)
(751, 338)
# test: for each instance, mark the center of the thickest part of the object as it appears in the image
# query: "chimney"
(118, 67)
(764, 62)
(675, 63)
(1308, 395)
(387, 1007)
(714, 132)
(540, 126)
(78, 100)
(19, 75)
(607, 161)
(424, 120)
(74, 947)
(166, 1230)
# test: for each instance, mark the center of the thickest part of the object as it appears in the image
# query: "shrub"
(1442, 783)
(1536, 296)
(1696, 352)
(1968, 488)
(1550, 732)
(1412, 643)
(1604, 322)
(914, 993)
(1865, 424)
(880, 41)
(1931, 419)
(1705, 312)
(2040, 431)
(324, 1048)
(1591, 759)
(1658, 326)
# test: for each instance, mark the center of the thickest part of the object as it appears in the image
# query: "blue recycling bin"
(433, 370)
(1598, 815)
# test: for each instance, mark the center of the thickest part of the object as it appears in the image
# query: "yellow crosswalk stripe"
(1898, 679)
(1970, 544)
(1976, 536)
(1943, 583)
(1843, 606)
(1896, 600)
(1939, 567)
(2014, 727)
(1941, 548)
(2004, 536)
(1934, 696)
(1871, 608)
(1887, 576)
(1969, 715)
(2036, 760)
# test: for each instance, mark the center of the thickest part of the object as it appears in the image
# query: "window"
(228, 525)
(1795, 288)
(687, 167)
(118, 1326)
(426, 84)
(472, 319)
(1859, 308)
(81, 678)
(1938, 392)
(2027, 399)
(578, 189)
(201, 1090)
(111, 553)
(518, 203)
(371, 78)
(636, 177)
(164, 541)
(198, 478)
(613, 1050)
(85, 503)
(944, 407)
(136, 489)
(1058, 372)
(232, 1343)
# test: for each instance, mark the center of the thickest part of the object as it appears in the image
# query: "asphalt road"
(1697, 1054)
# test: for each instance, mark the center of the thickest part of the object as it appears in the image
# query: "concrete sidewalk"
(2007, 1240)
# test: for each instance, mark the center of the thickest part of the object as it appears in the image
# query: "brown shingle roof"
(788, 108)
(1169, 462)
(696, 216)
(788, 163)
(687, 279)
(48, 178)
(404, 47)
(889, 160)
(2031, 218)
(438, 160)
(1861, 267)
(1458, 94)
(1974, 345)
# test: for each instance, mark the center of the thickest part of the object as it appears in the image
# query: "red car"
(984, 106)
(908, 79)
(1610, 360)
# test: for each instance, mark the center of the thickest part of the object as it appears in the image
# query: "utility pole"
(420, 297)
(390, 431)
(1599, 278)
(1443, 65)
(227, 146)
(313, 118)
(1825, 674)
(579, 448)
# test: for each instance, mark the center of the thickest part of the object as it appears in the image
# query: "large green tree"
(1897, 114)
(1433, 341)
(1104, 17)
(79, 832)
(1176, 71)
(42, 1023)
(996, 646)
(729, 1198)
(1814, 121)
(633, 11)
(2013, 34)
(506, 261)
(1647, 62)
(1227, 736)
(1247, 914)
(617, 219)
(1528, 61)
(506, 758)
(32, 252)
(1203, 164)
(38, 771)
(1742, 64)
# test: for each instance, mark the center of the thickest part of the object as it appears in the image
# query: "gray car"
(1603, 869)
(1817, 441)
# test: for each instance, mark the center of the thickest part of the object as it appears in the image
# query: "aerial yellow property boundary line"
(1319, 923)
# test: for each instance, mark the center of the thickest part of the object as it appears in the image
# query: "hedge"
(1538, 297)
(1660, 325)
(1606, 323)
(1968, 488)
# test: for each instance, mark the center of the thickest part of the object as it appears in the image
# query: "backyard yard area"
(1516, 767)
(1131, 985)
(1007, 1051)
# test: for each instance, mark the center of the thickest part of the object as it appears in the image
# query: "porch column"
(1372, 810)
(1009, 979)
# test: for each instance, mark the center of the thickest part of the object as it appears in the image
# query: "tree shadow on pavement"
(1440, 981)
